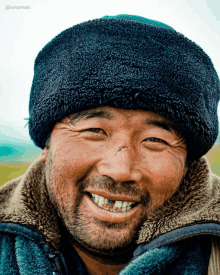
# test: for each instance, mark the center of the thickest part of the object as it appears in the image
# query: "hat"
(127, 62)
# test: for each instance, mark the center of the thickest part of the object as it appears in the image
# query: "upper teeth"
(108, 204)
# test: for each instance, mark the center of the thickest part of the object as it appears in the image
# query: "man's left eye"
(155, 140)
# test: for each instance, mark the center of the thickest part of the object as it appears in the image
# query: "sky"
(26, 26)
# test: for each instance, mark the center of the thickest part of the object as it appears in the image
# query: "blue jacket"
(176, 239)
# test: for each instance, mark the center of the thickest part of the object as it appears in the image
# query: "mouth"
(112, 205)
(111, 211)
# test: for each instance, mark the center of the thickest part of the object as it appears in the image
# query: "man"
(124, 108)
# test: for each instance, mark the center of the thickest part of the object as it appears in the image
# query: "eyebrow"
(88, 114)
(168, 126)
(162, 124)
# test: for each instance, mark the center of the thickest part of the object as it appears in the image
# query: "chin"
(106, 239)
(116, 254)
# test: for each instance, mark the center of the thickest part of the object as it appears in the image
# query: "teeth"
(113, 206)
(125, 204)
(118, 204)
(124, 209)
(96, 198)
(101, 201)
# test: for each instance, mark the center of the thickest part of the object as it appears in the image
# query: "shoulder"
(19, 253)
(8, 261)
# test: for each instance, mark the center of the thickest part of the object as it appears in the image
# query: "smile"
(110, 205)
(111, 211)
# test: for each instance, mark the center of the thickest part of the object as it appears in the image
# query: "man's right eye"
(94, 130)
(95, 134)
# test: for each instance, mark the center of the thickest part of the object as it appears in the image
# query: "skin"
(121, 152)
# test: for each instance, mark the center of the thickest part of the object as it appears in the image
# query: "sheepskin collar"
(25, 200)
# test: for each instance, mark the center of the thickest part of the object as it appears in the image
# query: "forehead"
(111, 113)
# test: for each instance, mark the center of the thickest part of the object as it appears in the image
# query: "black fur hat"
(126, 62)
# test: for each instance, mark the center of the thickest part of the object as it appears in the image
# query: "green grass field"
(12, 170)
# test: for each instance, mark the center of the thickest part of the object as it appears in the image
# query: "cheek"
(67, 163)
(163, 177)
(55, 178)
(167, 164)
(72, 160)
(63, 193)
(61, 182)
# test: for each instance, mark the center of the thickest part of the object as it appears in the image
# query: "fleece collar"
(25, 200)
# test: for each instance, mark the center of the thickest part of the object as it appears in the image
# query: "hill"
(18, 152)
(15, 143)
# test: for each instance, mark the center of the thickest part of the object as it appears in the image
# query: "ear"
(43, 155)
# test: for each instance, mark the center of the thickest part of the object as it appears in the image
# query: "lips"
(111, 205)
(110, 216)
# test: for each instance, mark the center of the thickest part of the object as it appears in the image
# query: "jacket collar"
(25, 200)
(196, 201)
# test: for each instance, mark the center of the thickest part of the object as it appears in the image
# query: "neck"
(99, 265)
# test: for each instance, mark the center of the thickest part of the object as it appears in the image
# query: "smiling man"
(124, 109)
(118, 167)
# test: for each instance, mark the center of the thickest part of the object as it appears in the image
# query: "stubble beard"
(113, 241)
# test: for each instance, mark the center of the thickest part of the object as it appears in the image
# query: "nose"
(120, 166)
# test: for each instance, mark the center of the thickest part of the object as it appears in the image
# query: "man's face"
(130, 162)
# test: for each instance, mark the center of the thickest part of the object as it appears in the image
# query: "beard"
(113, 241)
(108, 240)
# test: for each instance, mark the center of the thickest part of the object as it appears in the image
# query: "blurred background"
(27, 25)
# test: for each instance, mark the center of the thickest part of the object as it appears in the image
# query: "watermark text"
(8, 7)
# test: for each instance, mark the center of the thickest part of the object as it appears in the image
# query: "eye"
(153, 139)
(94, 133)
(95, 130)
(155, 144)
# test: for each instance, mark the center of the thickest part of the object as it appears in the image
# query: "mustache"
(128, 188)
